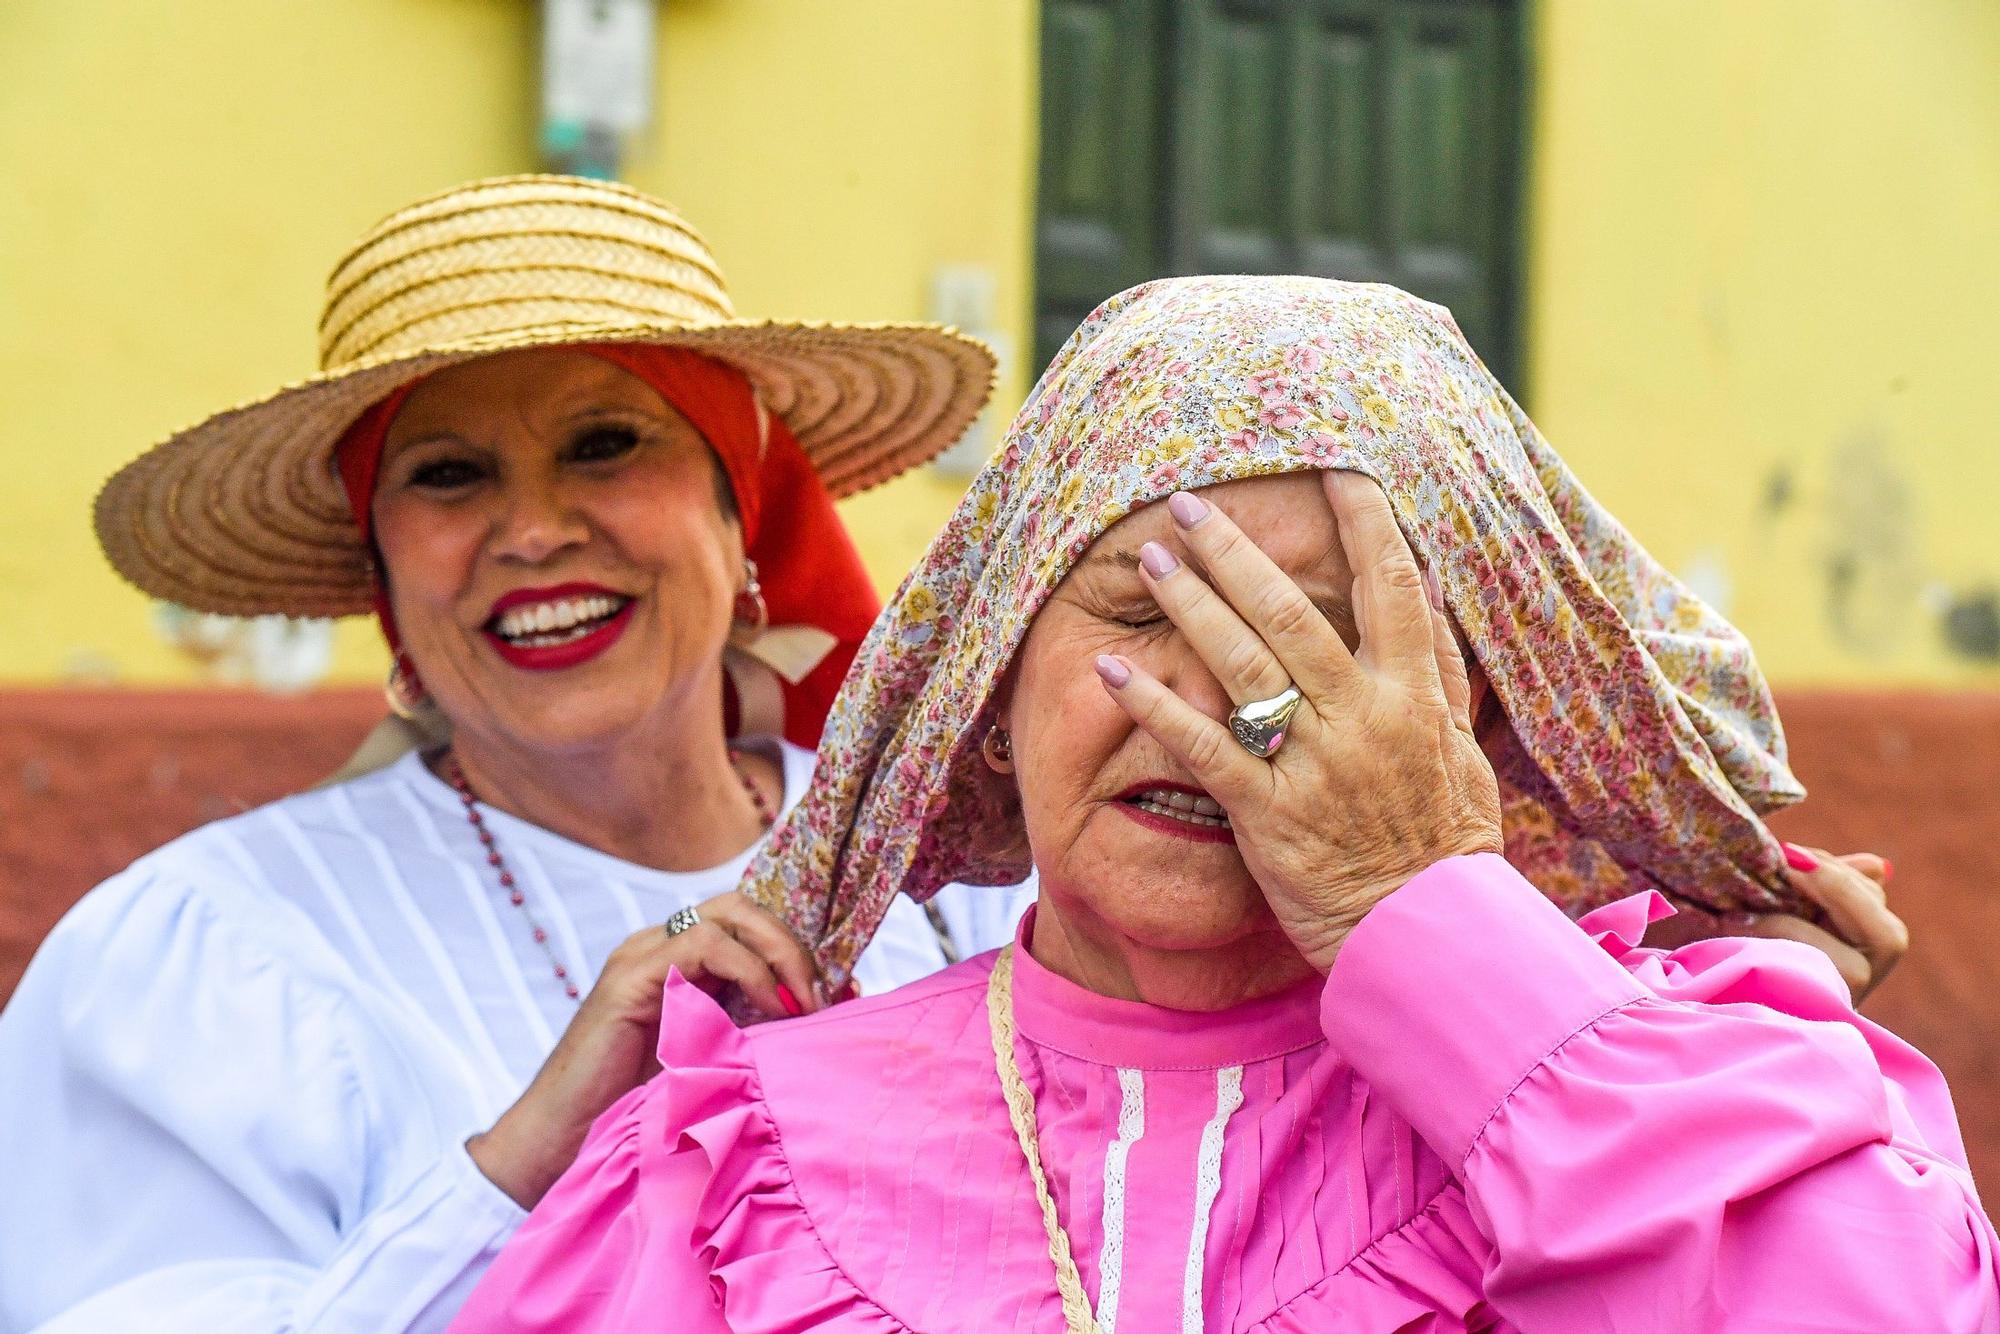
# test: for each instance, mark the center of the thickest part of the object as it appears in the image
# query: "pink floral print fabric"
(1644, 740)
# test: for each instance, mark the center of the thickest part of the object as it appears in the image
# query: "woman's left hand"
(1380, 775)
(1862, 935)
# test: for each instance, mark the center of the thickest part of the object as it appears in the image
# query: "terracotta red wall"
(91, 779)
(1916, 777)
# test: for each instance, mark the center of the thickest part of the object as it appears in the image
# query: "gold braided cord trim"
(332, 334)
(567, 310)
(1077, 1315)
(562, 294)
(475, 251)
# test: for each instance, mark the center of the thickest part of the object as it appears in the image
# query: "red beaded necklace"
(456, 775)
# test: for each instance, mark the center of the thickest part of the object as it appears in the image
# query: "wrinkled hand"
(1380, 775)
(608, 1048)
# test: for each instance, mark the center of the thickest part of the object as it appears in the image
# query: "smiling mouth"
(1201, 811)
(557, 621)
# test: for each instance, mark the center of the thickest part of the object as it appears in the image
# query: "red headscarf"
(807, 564)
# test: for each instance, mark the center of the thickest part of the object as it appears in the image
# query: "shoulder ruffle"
(770, 1270)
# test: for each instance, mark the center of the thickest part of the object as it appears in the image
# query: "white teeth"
(1182, 801)
(1185, 817)
(564, 619)
(1183, 806)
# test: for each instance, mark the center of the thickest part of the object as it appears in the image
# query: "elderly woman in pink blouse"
(1287, 1043)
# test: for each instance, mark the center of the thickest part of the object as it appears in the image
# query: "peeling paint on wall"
(1972, 624)
(1871, 573)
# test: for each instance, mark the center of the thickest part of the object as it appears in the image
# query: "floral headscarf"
(1645, 743)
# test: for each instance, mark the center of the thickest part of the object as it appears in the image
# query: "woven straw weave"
(244, 514)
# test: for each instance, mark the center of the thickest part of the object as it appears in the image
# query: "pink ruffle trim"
(770, 1271)
(772, 1274)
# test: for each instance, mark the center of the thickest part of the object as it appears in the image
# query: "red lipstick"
(570, 652)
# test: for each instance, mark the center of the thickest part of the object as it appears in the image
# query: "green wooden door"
(1367, 139)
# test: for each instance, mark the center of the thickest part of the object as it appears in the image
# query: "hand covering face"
(1644, 744)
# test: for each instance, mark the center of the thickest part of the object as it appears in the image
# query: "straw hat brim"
(244, 514)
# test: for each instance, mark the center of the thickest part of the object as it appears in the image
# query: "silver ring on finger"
(1260, 725)
(683, 919)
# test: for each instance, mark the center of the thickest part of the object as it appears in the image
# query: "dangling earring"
(998, 748)
(403, 690)
(752, 616)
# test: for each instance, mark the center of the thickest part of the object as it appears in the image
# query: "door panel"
(1096, 226)
(1375, 140)
(1229, 164)
(1339, 212)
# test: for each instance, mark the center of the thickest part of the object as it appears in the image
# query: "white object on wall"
(598, 70)
(279, 653)
(966, 296)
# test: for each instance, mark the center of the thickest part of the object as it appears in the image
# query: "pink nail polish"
(1888, 870)
(1113, 672)
(1799, 859)
(789, 1001)
(1188, 510)
(1159, 561)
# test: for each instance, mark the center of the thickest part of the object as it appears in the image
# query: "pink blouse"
(1484, 1119)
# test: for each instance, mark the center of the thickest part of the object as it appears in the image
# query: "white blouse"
(237, 1079)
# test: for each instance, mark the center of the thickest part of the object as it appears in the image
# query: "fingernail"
(1799, 859)
(1432, 590)
(789, 1001)
(1114, 673)
(1188, 510)
(1159, 561)
(1888, 869)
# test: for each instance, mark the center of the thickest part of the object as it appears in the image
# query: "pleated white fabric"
(236, 1081)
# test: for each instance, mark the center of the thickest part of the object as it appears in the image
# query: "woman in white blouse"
(305, 1068)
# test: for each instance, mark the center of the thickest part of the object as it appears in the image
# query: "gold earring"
(403, 690)
(998, 748)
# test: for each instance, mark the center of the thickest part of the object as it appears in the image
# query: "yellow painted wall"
(835, 154)
(1761, 272)
(178, 180)
(179, 177)
(1764, 283)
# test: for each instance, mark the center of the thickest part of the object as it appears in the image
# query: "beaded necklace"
(456, 775)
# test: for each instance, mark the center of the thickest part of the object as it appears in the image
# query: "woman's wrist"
(520, 1156)
(1320, 940)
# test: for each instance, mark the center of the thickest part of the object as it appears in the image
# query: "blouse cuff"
(417, 1256)
(1453, 989)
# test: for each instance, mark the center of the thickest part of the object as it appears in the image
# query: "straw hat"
(244, 513)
